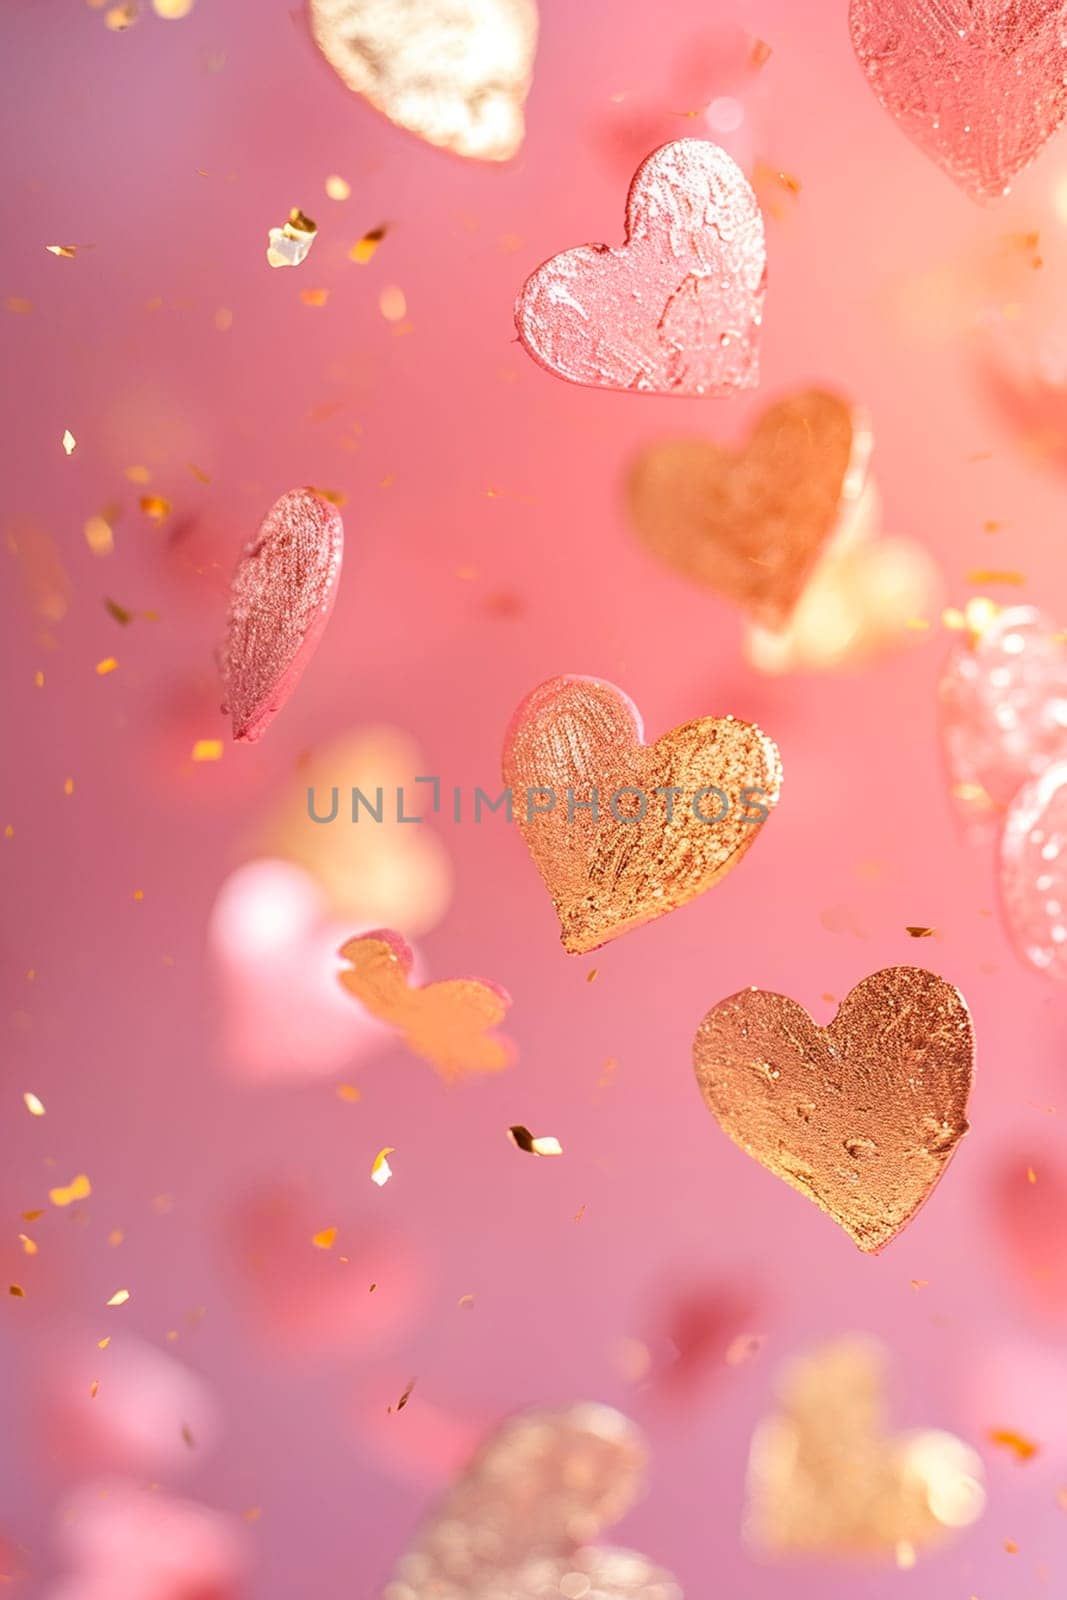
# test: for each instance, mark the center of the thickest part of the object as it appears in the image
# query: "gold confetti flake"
(78, 1188)
(66, 251)
(102, 1344)
(325, 1239)
(118, 613)
(983, 575)
(404, 1398)
(466, 1302)
(17, 1290)
(365, 249)
(33, 1216)
(70, 444)
(33, 1105)
(119, 1298)
(99, 537)
(137, 475)
(919, 932)
(115, 1237)
(381, 1171)
(208, 750)
(338, 188)
(544, 1145)
(348, 1093)
(1022, 1448)
(155, 506)
(198, 472)
(109, 664)
(20, 307)
(172, 10)
(288, 245)
(392, 302)
(94, 1388)
(28, 1245)
(121, 17)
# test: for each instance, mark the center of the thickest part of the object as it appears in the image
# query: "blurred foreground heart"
(863, 1116)
(752, 523)
(449, 1024)
(280, 601)
(677, 309)
(979, 86)
(456, 72)
(825, 1478)
(517, 1524)
(622, 831)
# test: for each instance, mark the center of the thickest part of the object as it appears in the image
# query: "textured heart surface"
(826, 1477)
(280, 601)
(515, 1526)
(455, 72)
(1003, 698)
(448, 1024)
(676, 309)
(751, 523)
(863, 1116)
(979, 85)
(1033, 872)
(621, 831)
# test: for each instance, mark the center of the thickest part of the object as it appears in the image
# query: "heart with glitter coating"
(675, 310)
(862, 1116)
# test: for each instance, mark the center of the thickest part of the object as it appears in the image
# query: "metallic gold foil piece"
(752, 523)
(516, 1525)
(978, 84)
(581, 740)
(826, 1479)
(863, 1116)
(448, 1024)
(678, 308)
(455, 72)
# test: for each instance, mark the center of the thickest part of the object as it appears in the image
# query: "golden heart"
(752, 524)
(449, 1024)
(620, 831)
(825, 1478)
(863, 1116)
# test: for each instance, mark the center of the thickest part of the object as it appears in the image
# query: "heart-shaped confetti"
(825, 1478)
(455, 72)
(981, 87)
(678, 308)
(280, 601)
(516, 1526)
(1033, 872)
(862, 1116)
(1003, 701)
(451, 1024)
(621, 831)
(751, 524)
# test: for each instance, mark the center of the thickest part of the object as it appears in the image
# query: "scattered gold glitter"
(119, 1298)
(121, 17)
(338, 188)
(207, 750)
(34, 1106)
(863, 1116)
(288, 245)
(366, 248)
(381, 1171)
(78, 1188)
(109, 664)
(324, 1240)
(348, 1093)
(918, 932)
(66, 251)
(523, 1139)
(102, 1344)
(1021, 1447)
(99, 537)
(28, 1245)
(155, 506)
(172, 10)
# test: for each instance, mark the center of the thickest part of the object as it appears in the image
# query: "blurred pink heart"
(678, 308)
(1003, 712)
(280, 601)
(123, 1542)
(1033, 872)
(1029, 1197)
(979, 87)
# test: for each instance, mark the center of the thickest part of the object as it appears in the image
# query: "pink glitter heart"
(280, 601)
(979, 85)
(1033, 872)
(677, 309)
(1003, 712)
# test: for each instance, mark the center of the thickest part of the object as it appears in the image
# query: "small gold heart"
(641, 853)
(863, 1116)
(448, 1024)
(752, 524)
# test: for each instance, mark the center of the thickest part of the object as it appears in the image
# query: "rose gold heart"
(978, 84)
(677, 309)
(581, 740)
(863, 1116)
(752, 523)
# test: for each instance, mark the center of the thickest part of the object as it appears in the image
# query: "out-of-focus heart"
(863, 1116)
(1028, 1194)
(456, 72)
(1033, 872)
(678, 308)
(826, 1479)
(516, 1526)
(448, 1024)
(752, 523)
(633, 830)
(980, 87)
(1003, 699)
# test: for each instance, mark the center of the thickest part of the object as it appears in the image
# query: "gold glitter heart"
(825, 1477)
(580, 739)
(863, 1116)
(752, 524)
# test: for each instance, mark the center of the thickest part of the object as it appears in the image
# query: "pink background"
(173, 173)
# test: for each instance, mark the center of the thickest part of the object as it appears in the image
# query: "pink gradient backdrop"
(104, 136)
